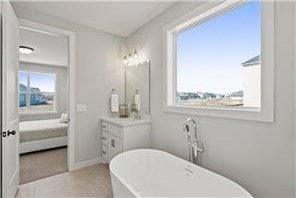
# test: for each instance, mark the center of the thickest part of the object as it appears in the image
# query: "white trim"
(71, 75)
(204, 12)
(295, 99)
(27, 112)
(13, 180)
(86, 163)
(40, 64)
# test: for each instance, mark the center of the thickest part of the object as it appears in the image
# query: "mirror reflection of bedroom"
(43, 104)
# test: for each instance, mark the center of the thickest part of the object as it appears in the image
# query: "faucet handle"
(197, 148)
(187, 127)
(200, 149)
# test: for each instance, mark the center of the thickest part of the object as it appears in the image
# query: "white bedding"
(42, 129)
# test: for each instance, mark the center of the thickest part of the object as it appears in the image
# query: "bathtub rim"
(246, 192)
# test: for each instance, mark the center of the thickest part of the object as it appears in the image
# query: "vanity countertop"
(124, 122)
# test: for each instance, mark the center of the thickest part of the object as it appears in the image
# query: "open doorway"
(42, 104)
(70, 81)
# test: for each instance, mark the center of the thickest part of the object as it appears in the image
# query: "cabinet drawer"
(114, 146)
(115, 130)
(104, 126)
(104, 153)
(104, 138)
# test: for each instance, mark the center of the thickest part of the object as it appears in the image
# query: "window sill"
(37, 113)
(251, 114)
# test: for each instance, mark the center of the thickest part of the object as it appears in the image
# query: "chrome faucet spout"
(187, 122)
(194, 147)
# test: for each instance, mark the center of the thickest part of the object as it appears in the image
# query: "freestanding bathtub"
(154, 173)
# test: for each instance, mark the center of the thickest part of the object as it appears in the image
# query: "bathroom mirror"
(137, 77)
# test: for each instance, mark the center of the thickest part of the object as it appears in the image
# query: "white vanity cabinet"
(123, 134)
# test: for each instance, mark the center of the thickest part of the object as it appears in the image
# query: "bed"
(42, 134)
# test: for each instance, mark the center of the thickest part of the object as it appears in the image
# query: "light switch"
(81, 107)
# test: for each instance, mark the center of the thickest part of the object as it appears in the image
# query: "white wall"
(98, 70)
(259, 156)
(252, 85)
(61, 90)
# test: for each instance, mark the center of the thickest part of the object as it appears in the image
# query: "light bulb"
(124, 60)
(136, 54)
(130, 59)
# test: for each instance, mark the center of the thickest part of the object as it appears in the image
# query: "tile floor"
(92, 181)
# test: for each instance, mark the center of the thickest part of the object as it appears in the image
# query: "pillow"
(64, 118)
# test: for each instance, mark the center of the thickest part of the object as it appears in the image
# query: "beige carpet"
(41, 164)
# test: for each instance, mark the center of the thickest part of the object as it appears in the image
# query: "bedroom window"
(37, 92)
(219, 64)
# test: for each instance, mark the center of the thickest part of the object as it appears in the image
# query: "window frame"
(27, 110)
(205, 12)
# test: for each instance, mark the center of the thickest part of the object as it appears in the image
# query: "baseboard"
(86, 163)
(13, 184)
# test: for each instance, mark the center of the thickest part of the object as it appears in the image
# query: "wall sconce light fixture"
(131, 59)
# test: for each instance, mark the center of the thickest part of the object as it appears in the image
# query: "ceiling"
(120, 18)
(49, 49)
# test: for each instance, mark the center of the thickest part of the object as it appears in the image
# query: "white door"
(10, 122)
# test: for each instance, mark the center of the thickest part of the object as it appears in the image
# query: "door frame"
(71, 80)
(1, 112)
(294, 127)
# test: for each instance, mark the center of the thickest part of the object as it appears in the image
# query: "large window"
(218, 61)
(214, 60)
(37, 93)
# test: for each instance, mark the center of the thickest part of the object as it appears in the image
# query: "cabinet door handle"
(113, 143)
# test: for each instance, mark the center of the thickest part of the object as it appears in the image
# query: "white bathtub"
(154, 173)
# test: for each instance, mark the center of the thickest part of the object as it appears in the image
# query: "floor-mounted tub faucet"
(195, 147)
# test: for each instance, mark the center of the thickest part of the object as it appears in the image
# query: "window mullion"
(28, 91)
(174, 51)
